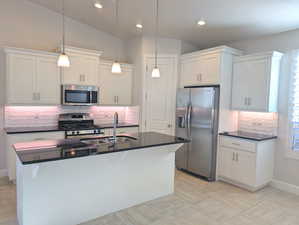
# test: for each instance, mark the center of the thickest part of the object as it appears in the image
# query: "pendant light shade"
(63, 59)
(156, 71)
(116, 68)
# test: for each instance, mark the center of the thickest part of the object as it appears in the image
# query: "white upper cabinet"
(32, 77)
(48, 80)
(115, 89)
(255, 82)
(84, 69)
(204, 67)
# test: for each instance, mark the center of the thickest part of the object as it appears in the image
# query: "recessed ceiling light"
(98, 5)
(201, 23)
(138, 25)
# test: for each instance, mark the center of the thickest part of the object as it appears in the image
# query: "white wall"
(281, 42)
(27, 25)
(138, 47)
(2, 93)
(286, 169)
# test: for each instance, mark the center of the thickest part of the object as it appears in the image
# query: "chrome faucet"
(115, 123)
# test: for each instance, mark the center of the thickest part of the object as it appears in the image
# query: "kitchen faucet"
(115, 123)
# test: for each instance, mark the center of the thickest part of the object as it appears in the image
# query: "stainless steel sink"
(109, 139)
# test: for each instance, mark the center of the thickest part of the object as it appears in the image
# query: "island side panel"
(73, 191)
(19, 186)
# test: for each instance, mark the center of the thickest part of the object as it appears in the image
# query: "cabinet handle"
(237, 157)
(83, 77)
(117, 99)
(249, 101)
(199, 77)
(169, 126)
(33, 96)
(245, 101)
(233, 156)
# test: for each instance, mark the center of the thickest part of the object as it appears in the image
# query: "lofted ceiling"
(227, 20)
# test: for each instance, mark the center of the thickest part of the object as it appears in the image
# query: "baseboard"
(3, 173)
(285, 186)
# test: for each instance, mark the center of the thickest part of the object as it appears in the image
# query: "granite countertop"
(52, 150)
(20, 130)
(248, 135)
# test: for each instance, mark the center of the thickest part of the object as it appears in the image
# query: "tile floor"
(195, 202)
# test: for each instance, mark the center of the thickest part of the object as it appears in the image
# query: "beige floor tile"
(195, 202)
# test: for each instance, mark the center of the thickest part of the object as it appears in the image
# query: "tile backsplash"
(22, 116)
(256, 122)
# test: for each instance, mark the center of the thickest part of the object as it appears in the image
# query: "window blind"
(294, 101)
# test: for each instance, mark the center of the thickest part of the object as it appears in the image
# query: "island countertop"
(52, 150)
(23, 130)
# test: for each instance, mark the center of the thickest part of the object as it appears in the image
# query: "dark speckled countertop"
(249, 136)
(20, 130)
(52, 150)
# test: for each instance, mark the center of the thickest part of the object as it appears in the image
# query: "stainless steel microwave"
(79, 95)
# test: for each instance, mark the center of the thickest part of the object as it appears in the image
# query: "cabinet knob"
(169, 126)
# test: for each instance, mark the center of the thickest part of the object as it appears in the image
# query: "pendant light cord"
(117, 25)
(63, 28)
(156, 33)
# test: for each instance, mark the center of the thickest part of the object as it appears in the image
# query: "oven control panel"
(83, 132)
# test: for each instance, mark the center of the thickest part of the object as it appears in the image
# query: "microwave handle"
(90, 97)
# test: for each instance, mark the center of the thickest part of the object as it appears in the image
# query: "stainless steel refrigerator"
(197, 120)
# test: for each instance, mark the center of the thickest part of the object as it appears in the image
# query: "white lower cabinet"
(27, 137)
(248, 164)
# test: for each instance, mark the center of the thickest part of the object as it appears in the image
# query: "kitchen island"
(67, 182)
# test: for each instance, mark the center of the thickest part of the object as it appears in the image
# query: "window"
(294, 102)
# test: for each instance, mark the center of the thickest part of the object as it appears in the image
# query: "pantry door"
(159, 95)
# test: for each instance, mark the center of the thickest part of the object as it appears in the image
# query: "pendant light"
(116, 68)
(156, 71)
(63, 60)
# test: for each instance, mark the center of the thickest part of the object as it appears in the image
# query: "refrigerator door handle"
(189, 120)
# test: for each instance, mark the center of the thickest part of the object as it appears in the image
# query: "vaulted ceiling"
(227, 20)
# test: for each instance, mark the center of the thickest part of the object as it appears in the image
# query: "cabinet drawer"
(237, 143)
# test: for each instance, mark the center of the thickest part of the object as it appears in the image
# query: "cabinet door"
(123, 88)
(190, 72)
(72, 74)
(246, 167)
(17, 138)
(89, 70)
(47, 80)
(21, 71)
(210, 70)
(258, 94)
(227, 164)
(240, 86)
(107, 86)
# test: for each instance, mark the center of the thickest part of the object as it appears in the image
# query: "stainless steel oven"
(79, 95)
